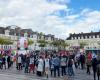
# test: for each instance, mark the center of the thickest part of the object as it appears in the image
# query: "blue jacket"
(56, 61)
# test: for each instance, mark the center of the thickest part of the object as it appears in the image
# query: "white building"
(91, 39)
(13, 33)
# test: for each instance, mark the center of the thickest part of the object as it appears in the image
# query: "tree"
(64, 44)
(30, 42)
(4, 41)
(42, 43)
(82, 44)
(55, 43)
(98, 43)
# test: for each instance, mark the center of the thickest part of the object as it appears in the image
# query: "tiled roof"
(83, 34)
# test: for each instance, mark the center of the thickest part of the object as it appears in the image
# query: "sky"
(58, 17)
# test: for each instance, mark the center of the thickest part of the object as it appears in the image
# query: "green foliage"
(63, 44)
(82, 44)
(4, 41)
(98, 43)
(42, 43)
(30, 42)
(41, 34)
(55, 43)
(59, 43)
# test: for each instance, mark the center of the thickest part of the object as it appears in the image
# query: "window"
(78, 37)
(90, 37)
(93, 36)
(75, 37)
(46, 38)
(6, 47)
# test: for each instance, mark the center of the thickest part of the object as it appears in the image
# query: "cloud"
(27, 13)
(39, 15)
(59, 1)
(87, 21)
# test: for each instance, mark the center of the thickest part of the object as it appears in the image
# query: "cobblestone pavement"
(13, 74)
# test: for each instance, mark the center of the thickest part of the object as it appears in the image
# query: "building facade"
(14, 33)
(90, 40)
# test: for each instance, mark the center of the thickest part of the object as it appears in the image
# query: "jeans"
(19, 66)
(56, 69)
(52, 72)
(26, 68)
(63, 70)
(70, 71)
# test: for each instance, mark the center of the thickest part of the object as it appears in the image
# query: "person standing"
(88, 63)
(52, 65)
(8, 61)
(63, 65)
(94, 67)
(27, 61)
(19, 60)
(31, 64)
(40, 66)
(4, 62)
(76, 62)
(98, 66)
(56, 66)
(0, 63)
(82, 61)
(47, 66)
(70, 67)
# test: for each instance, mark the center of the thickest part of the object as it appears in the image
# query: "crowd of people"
(52, 64)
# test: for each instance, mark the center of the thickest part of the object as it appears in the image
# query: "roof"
(2, 30)
(83, 34)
